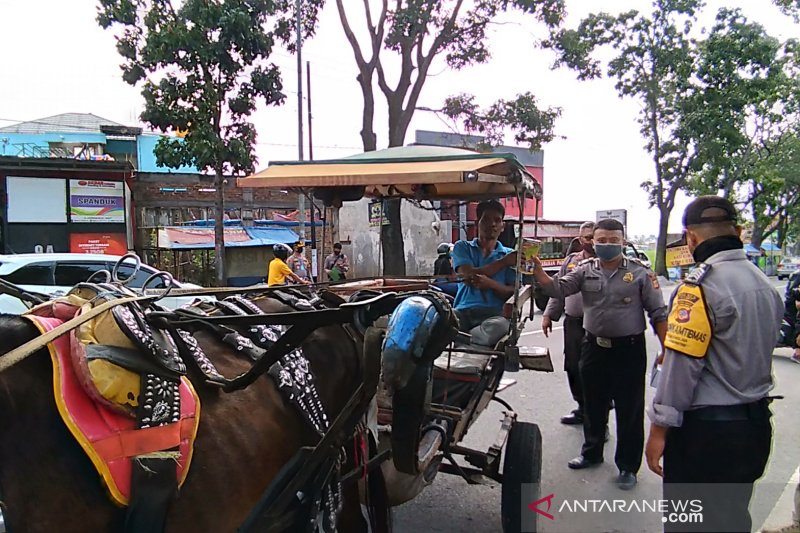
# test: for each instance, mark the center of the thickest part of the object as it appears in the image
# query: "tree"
(653, 61)
(692, 92)
(202, 69)
(743, 143)
(417, 32)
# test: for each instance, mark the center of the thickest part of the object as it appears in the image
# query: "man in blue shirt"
(484, 263)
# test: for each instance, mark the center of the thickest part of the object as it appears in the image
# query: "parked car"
(55, 274)
(788, 266)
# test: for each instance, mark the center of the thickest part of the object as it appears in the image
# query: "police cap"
(709, 209)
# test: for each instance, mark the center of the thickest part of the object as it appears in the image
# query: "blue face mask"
(607, 252)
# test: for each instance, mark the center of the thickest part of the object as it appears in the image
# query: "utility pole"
(314, 258)
(301, 199)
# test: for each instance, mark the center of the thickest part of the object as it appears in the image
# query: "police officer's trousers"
(573, 339)
(715, 457)
(615, 373)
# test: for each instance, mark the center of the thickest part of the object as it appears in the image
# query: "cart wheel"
(541, 301)
(522, 472)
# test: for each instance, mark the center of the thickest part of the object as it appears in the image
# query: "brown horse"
(48, 484)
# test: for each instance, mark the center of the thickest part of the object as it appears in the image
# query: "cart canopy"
(416, 172)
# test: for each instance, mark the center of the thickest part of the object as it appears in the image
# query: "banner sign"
(679, 256)
(96, 201)
(98, 243)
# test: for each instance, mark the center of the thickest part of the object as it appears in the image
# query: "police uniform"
(712, 393)
(572, 309)
(613, 353)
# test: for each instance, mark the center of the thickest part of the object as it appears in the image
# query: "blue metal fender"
(410, 329)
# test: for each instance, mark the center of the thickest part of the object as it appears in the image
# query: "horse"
(47, 483)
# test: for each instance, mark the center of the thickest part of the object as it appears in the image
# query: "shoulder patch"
(695, 277)
(688, 325)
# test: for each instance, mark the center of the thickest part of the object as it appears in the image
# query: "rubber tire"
(522, 465)
(541, 301)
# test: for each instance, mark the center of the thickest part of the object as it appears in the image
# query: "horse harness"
(166, 351)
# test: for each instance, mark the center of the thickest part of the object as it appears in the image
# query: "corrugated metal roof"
(63, 123)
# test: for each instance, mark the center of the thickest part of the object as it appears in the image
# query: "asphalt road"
(450, 505)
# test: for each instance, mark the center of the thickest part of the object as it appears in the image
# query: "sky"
(56, 59)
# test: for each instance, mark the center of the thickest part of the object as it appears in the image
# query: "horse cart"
(314, 399)
(436, 380)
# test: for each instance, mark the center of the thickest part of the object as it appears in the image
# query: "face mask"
(608, 252)
(588, 248)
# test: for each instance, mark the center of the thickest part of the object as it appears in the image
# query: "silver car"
(787, 267)
(55, 274)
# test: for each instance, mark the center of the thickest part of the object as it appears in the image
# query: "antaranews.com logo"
(672, 511)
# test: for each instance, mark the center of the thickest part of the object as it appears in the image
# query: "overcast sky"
(56, 59)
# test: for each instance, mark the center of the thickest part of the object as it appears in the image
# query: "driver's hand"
(547, 326)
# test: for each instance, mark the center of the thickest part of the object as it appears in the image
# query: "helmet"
(443, 248)
(281, 251)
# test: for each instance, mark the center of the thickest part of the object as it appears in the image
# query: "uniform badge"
(653, 280)
(688, 324)
(628, 277)
(571, 266)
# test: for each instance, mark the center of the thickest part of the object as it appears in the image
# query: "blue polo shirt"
(470, 253)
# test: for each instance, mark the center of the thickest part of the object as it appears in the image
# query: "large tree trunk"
(393, 247)
(219, 231)
(661, 242)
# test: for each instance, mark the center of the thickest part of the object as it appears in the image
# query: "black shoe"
(581, 462)
(626, 480)
(573, 419)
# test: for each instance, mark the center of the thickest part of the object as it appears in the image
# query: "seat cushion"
(462, 363)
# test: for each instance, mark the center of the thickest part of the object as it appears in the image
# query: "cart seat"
(472, 364)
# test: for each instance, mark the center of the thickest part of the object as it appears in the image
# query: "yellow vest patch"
(688, 326)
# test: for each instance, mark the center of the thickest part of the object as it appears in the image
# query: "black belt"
(757, 410)
(614, 342)
(573, 318)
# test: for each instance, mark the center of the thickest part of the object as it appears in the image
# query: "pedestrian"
(572, 308)
(617, 291)
(299, 264)
(790, 332)
(279, 272)
(336, 264)
(485, 265)
(710, 418)
(443, 266)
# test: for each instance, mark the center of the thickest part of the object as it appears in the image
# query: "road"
(450, 505)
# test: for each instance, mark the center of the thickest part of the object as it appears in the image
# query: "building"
(73, 156)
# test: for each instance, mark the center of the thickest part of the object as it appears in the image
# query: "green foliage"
(202, 69)
(789, 7)
(698, 96)
(531, 125)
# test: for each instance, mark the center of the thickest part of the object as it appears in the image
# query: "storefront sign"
(679, 256)
(98, 243)
(96, 201)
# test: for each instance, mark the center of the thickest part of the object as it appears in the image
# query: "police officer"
(710, 415)
(443, 264)
(572, 308)
(616, 292)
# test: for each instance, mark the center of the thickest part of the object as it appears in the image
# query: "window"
(125, 271)
(33, 274)
(70, 274)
